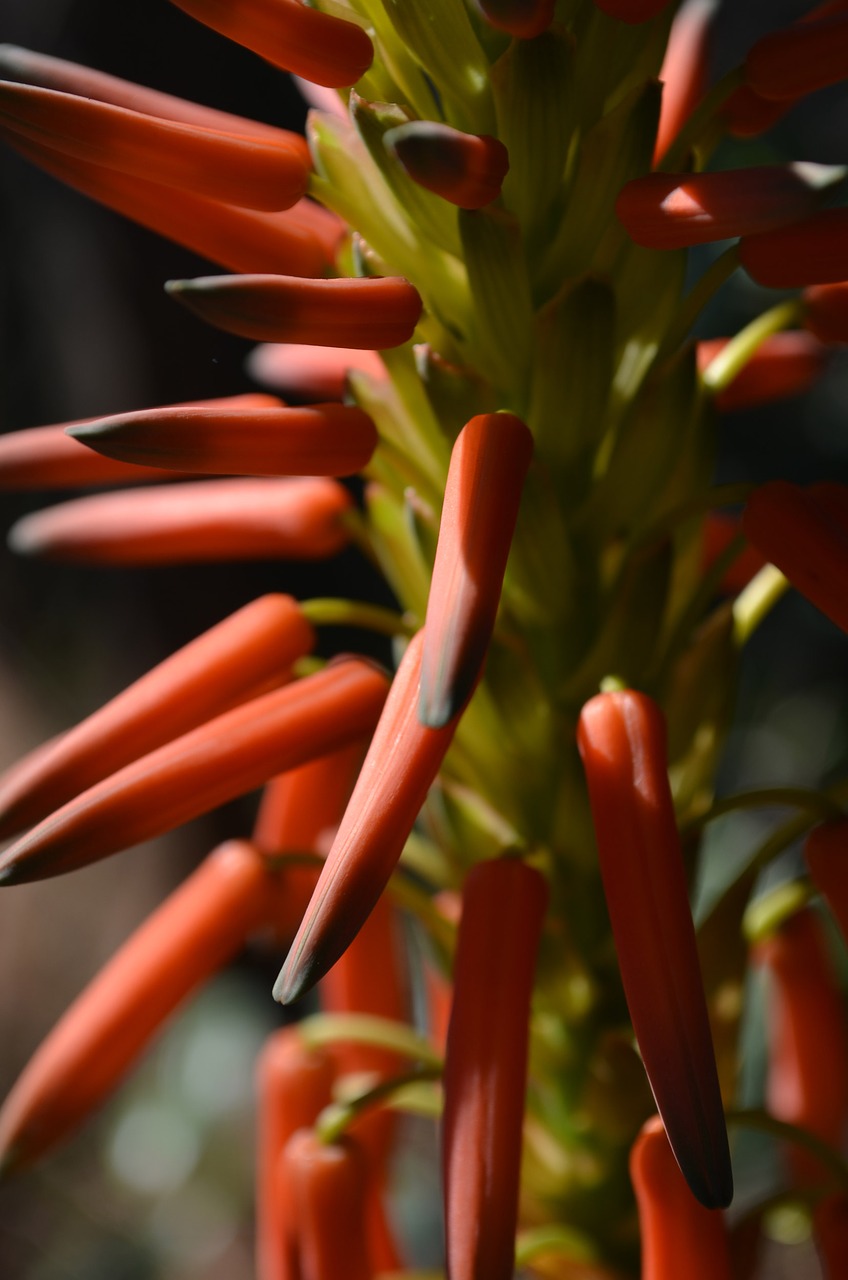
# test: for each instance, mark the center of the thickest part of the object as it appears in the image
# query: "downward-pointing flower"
(679, 1236)
(327, 1185)
(466, 169)
(402, 761)
(798, 534)
(183, 523)
(197, 930)
(371, 314)
(320, 439)
(243, 170)
(486, 476)
(485, 1076)
(326, 49)
(622, 740)
(242, 656)
(674, 210)
(224, 758)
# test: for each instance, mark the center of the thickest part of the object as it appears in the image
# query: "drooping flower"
(327, 1186)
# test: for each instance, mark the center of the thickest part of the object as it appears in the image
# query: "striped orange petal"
(370, 313)
(622, 740)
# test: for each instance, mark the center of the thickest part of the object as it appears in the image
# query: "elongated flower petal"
(321, 439)
(319, 373)
(797, 534)
(464, 168)
(522, 18)
(826, 312)
(807, 1080)
(830, 1223)
(297, 241)
(786, 364)
(674, 210)
(223, 758)
(402, 761)
(485, 1076)
(48, 458)
(814, 251)
(239, 658)
(679, 1236)
(799, 59)
(327, 1184)
(621, 736)
(685, 70)
(184, 523)
(248, 171)
(312, 44)
(485, 480)
(294, 1084)
(185, 941)
(826, 854)
(632, 11)
(370, 313)
(746, 115)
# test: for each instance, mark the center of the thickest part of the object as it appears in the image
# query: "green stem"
(817, 803)
(365, 1028)
(732, 358)
(326, 612)
(335, 1120)
(564, 1241)
(756, 601)
(762, 1122)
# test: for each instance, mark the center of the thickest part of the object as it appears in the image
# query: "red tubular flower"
(371, 313)
(522, 18)
(319, 373)
(244, 655)
(249, 171)
(797, 533)
(785, 364)
(807, 1082)
(789, 64)
(679, 1236)
(813, 251)
(222, 759)
(746, 115)
(826, 853)
(197, 930)
(294, 1084)
(622, 741)
(830, 1229)
(300, 810)
(486, 476)
(676, 210)
(718, 533)
(327, 1185)
(685, 70)
(402, 761)
(826, 311)
(315, 440)
(298, 241)
(311, 44)
(47, 458)
(632, 11)
(186, 523)
(485, 1078)
(466, 169)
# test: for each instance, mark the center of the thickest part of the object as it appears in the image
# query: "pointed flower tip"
(466, 169)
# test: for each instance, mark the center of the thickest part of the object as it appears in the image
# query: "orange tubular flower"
(676, 210)
(807, 1082)
(222, 759)
(294, 1084)
(327, 1185)
(622, 740)
(785, 364)
(685, 70)
(679, 1236)
(464, 168)
(316, 440)
(522, 18)
(371, 313)
(487, 469)
(797, 533)
(182, 523)
(48, 458)
(632, 11)
(814, 251)
(197, 930)
(244, 655)
(826, 312)
(402, 761)
(315, 45)
(789, 64)
(319, 373)
(485, 1078)
(830, 1222)
(250, 171)
(826, 853)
